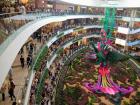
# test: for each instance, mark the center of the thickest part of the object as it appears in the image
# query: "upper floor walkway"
(31, 23)
(12, 45)
(11, 22)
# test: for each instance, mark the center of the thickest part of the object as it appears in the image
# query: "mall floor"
(19, 76)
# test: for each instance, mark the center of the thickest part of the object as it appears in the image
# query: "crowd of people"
(29, 7)
(10, 87)
(65, 39)
(11, 26)
(13, 9)
(30, 49)
(55, 69)
(26, 55)
(50, 84)
(43, 35)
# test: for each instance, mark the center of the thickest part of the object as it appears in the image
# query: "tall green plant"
(40, 87)
(40, 58)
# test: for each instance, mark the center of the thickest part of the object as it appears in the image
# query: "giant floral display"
(104, 83)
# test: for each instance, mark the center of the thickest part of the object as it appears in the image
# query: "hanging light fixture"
(24, 1)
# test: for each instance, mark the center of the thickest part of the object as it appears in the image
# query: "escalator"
(134, 31)
(136, 42)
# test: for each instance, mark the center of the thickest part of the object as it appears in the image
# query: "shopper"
(31, 46)
(22, 9)
(22, 61)
(21, 51)
(31, 59)
(11, 89)
(28, 61)
(3, 89)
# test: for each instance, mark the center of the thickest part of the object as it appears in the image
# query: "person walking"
(22, 61)
(31, 59)
(3, 89)
(11, 89)
(28, 61)
(22, 9)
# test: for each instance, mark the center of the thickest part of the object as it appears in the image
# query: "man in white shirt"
(23, 9)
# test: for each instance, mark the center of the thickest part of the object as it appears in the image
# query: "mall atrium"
(69, 52)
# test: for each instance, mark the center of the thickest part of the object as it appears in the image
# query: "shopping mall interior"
(69, 52)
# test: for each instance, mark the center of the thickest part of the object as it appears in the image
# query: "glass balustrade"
(72, 39)
(10, 22)
(9, 25)
(32, 67)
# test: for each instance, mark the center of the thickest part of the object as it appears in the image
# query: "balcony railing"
(10, 22)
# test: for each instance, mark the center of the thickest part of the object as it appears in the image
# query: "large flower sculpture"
(105, 84)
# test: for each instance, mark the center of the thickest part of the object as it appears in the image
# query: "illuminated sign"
(120, 42)
(123, 30)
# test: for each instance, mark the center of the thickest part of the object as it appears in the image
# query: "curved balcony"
(12, 45)
(66, 44)
(41, 54)
(11, 22)
(63, 33)
(53, 57)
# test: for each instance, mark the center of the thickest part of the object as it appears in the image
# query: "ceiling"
(105, 3)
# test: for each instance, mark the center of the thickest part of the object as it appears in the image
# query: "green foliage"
(78, 29)
(77, 39)
(114, 57)
(126, 103)
(133, 76)
(73, 92)
(102, 20)
(138, 95)
(40, 57)
(60, 51)
(40, 87)
(92, 100)
(60, 35)
(109, 21)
